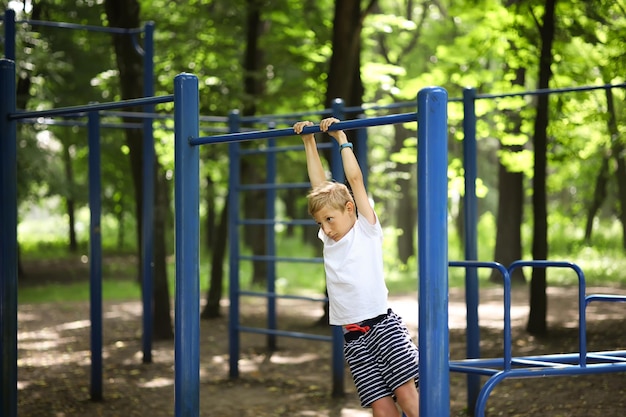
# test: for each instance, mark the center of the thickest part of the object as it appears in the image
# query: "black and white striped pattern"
(382, 359)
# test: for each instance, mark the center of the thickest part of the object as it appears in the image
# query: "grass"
(603, 264)
(78, 292)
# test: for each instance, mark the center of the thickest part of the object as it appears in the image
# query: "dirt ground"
(295, 380)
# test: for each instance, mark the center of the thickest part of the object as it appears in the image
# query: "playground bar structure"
(431, 116)
(432, 219)
(8, 224)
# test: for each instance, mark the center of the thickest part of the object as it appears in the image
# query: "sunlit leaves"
(406, 46)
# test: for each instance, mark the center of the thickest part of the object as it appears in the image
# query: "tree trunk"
(22, 96)
(344, 74)
(70, 203)
(125, 14)
(538, 299)
(290, 199)
(508, 246)
(161, 293)
(405, 209)
(599, 195)
(210, 211)
(121, 229)
(253, 168)
(617, 149)
(214, 293)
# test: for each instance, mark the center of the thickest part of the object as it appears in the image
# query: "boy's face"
(336, 223)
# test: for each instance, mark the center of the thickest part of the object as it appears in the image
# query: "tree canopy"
(493, 46)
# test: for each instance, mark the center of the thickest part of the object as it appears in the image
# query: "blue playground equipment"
(499, 369)
(8, 214)
(8, 211)
(271, 152)
(477, 397)
(432, 211)
(431, 116)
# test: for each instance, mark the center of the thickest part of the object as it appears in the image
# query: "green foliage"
(118, 290)
(603, 264)
(483, 44)
(42, 232)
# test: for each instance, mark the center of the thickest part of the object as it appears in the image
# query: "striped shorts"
(382, 359)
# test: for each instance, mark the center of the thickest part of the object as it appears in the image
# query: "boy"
(382, 358)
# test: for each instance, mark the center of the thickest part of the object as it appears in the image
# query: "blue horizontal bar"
(543, 372)
(284, 333)
(571, 370)
(369, 107)
(288, 186)
(559, 358)
(605, 358)
(551, 91)
(536, 363)
(473, 370)
(274, 133)
(73, 110)
(615, 298)
(267, 222)
(475, 264)
(66, 25)
(79, 123)
(480, 362)
(108, 125)
(280, 259)
(282, 296)
(267, 118)
(277, 149)
(162, 116)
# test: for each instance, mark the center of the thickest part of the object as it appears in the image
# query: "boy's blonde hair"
(329, 194)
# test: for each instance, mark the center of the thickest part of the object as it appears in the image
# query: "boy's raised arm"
(317, 176)
(352, 170)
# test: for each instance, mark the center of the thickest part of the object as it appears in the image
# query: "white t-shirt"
(354, 273)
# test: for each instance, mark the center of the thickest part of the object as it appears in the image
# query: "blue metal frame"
(187, 201)
(95, 255)
(234, 253)
(95, 249)
(270, 186)
(432, 211)
(470, 214)
(432, 256)
(148, 192)
(8, 241)
(499, 369)
(432, 215)
(471, 219)
(8, 253)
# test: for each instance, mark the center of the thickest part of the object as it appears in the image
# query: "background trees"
(536, 153)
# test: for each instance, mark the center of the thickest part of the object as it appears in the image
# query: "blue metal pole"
(186, 200)
(270, 210)
(233, 239)
(8, 242)
(471, 240)
(432, 214)
(336, 167)
(148, 190)
(338, 364)
(344, 125)
(95, 254)
(362, 151)
(9, 34)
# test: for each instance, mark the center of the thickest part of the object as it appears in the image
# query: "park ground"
(295, 380)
